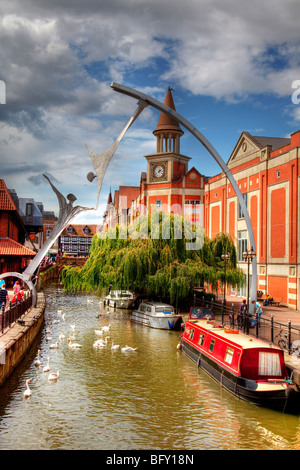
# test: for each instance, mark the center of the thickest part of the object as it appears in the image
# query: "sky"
(232, 65)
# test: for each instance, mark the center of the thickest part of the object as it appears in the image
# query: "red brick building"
(267, 172)
(14, 257)
(167, 184)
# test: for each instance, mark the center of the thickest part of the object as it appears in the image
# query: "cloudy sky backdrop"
(231, 64)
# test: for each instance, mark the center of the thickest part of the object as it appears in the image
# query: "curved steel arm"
(162, 107)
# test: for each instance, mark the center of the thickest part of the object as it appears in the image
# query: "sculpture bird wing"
(101, 160)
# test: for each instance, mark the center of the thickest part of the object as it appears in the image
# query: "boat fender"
(198, 361)
(229, 330)
(179, 346)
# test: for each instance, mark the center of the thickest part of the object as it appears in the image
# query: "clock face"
(159, 171)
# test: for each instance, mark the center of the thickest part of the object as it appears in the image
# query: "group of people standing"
(243, 314)
(18, 294)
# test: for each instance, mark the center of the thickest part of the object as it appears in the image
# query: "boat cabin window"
(201, 339)
(229, 355)
(269, 364)
(191, 335)
(211, 346)
(164, 309)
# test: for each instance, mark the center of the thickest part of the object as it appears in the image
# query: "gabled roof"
(6, 201)
(79, 230)
(9, 247)
(248, 144)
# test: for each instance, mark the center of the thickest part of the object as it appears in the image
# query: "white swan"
(128, 349)
(54, 345)
(59, 312)
(73, 345)
(53, 376)
(37, 362)
(99, 332)
(114, 346)
(73, 327)
(27, 392)
(105, 328)
(61, 336)
(63, 316)
(100, 343)
(47, 368)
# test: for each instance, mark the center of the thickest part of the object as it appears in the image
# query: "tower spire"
(168, 131)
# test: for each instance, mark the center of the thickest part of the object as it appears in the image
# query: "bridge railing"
(14, 312)
(284, 335)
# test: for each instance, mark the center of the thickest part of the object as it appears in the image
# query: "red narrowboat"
(248, 367)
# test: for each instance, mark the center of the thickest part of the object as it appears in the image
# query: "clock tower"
(167, 164)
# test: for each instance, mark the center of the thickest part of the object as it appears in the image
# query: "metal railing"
(281, 334)
(13, 312)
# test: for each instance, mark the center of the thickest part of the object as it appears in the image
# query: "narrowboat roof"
(237, 337)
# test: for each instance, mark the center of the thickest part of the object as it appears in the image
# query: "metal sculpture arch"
(162, 107)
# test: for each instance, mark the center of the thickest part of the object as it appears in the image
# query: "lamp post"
(248, 257)
(225, 257)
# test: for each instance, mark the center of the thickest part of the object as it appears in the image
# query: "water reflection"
(153, 398)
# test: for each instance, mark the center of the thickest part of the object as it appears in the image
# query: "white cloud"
(58, 59)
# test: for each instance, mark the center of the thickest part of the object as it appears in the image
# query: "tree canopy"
(162, 260)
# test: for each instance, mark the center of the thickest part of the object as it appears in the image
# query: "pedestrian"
(16, 287)
(258, 311)
(3, 296)
(242, 314)
(1, 282)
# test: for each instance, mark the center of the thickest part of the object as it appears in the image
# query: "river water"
(154, 398)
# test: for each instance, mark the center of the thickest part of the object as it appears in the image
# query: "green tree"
(163, 260)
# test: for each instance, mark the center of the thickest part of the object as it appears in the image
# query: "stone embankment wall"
(18, 339)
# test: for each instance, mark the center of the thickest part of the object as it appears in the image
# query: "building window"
(241, 213)
(278, 173)
(29, 208)
(48, 232)
(242, 243)
(158, 204)
(86, 230)
(70, 229)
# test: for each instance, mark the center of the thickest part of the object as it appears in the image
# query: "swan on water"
(99, 332)
(27, 392)
(105, 328)
(53, 376)
(114, 346)
(73, 327)
(37, 362)
(61, 335)
(100, 343)
(73, 345)
(128, 349)
(59, 312)
(47, 368)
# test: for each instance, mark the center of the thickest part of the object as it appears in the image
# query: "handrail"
(13, 313)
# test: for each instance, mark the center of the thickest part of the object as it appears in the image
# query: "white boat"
(120, 299)
(156, 315)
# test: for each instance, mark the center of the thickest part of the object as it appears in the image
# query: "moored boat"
(120, 299)
(156, 315)
(248, 367)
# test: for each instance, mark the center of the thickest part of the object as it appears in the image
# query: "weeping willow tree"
(160, 256)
